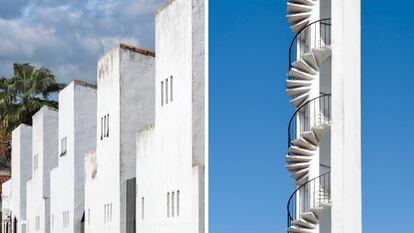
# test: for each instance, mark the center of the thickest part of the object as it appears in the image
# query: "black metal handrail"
(310, 194)
(313, 112)
(307, 33)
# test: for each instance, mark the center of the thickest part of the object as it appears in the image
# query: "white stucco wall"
(45, 144)
(346, 117)
(77, 122)
(6, 201)
(125, 92)
(170, 155)
(21, 168)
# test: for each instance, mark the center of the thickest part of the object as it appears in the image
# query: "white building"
(21, 167)
(77, 136)
(45, 156)
(125, 93)
(171, 153)
(324, 150)
(6, 207)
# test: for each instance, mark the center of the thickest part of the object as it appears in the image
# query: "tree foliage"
(24, 94)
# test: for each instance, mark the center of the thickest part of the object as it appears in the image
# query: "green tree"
(23, 94)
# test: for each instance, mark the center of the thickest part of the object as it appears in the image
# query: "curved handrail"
(293, 118)
(299, 188)
(297, 34)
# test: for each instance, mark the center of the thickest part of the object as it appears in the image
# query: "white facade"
(77, 136)
(44, 158)
(346, 117)
(170, 153)
(21, 167)
(324, 152)
(125, 95)
(6, 207)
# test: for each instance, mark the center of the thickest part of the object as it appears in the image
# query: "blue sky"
(249, 113)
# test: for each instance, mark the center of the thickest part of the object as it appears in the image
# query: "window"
(35, 161)
(171, 88)
(168, 205)
(172, 204)
(89, 217)
(107, 126)
(104, 132)
(178, 203)
(101, 128)
(166, 91)
(162, 93)
(108, 213)
(37, 223)
(65, 219)
(142, 208)
(63, 146)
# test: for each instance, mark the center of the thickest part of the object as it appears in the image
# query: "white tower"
(44, 149)
(77, 135)
(21, 173)
(125, 103)
(324, 154)
(170, 154)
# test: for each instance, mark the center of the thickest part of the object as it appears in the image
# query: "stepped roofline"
(85, 84)
(165, 5)
(137, 50)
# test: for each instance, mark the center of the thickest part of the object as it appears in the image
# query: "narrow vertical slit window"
(63, 146)
(162, 93)
(104, 126)
(172, 204)
(101, 128)
(171, 88)
(89, 217)
(107, 126)
(35, 161)
(110, 212)
(105, 213)
(178, 203)
(142, 208)
(166, 91)
(168, 205)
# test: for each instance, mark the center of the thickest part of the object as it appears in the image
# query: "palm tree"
(24, 94)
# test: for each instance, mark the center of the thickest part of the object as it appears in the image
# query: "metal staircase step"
(298, 26)
(297, 166)
(304, 224)
(301, 142)
(310, 137)
(298, 74)
(296, 158)
(296, 7)
(297, 17)
(310, 217)
(299, 100)
(300, 151)
(310, 59)
(294, 229)
(297, 83)
(298, 91)
(305, 67)
(299, 174)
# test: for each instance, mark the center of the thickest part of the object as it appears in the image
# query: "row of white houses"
(124, 155)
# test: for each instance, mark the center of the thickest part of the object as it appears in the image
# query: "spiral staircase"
(309, 49)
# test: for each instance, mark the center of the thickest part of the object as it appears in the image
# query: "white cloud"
(69, 36)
